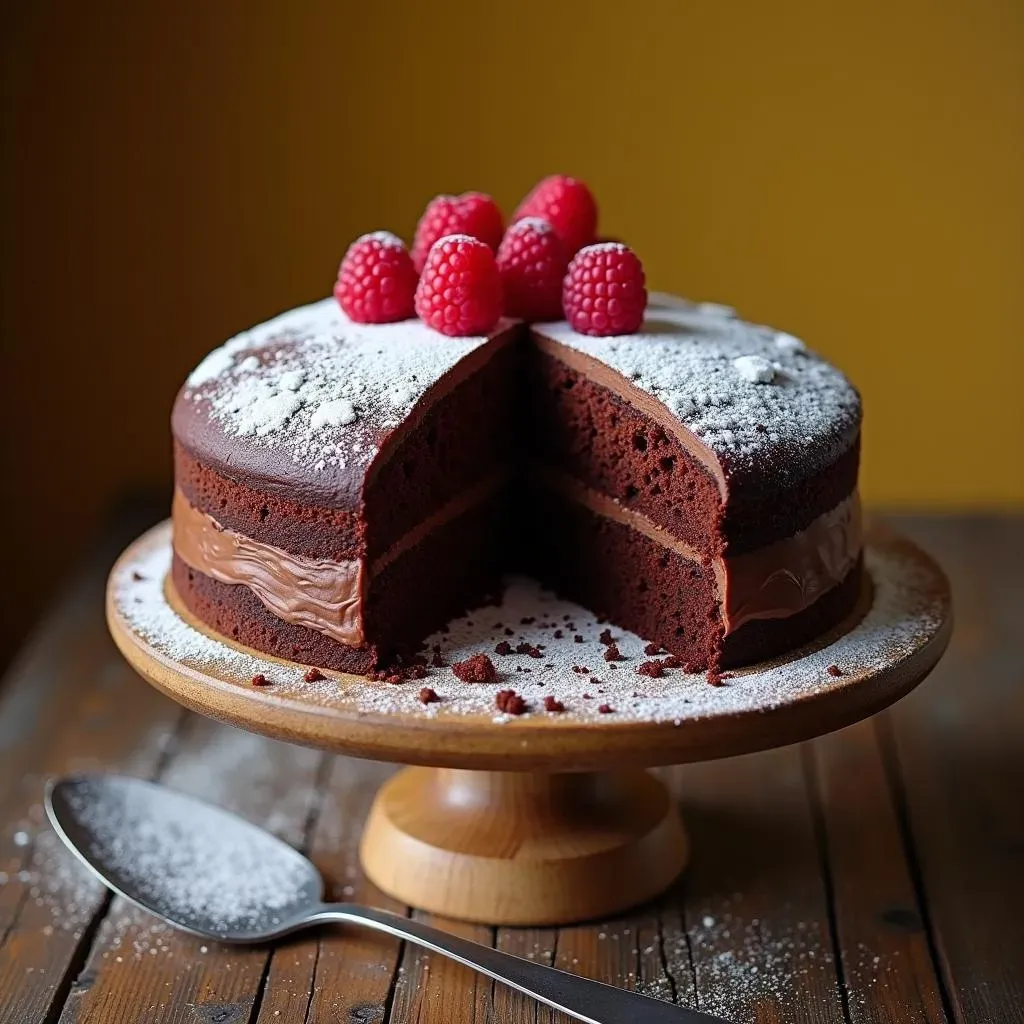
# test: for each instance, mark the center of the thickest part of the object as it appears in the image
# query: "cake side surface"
(769, 412)
(717, 456)
(728, 447)
(303, 404)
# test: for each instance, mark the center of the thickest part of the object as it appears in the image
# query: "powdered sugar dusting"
(755, 369)
(320, 388)
(905, 612)
(750, 393)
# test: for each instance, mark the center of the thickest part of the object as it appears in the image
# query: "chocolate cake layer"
(597, 436)
(300, 407)
(310, 531)
(456, 567)
(465, 436)
(413, 474)
(775, 581)
(592, 435)
(626, 577)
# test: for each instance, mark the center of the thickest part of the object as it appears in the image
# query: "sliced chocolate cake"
(343, 489)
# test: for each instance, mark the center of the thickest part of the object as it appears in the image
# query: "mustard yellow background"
(174, 172)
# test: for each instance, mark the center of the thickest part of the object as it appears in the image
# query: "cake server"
(213, 874)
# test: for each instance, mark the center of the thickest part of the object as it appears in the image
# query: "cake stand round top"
(613, 717)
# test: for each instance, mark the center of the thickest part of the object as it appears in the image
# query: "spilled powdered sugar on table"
(566, 658)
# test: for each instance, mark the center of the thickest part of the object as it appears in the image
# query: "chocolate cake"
(344, 489)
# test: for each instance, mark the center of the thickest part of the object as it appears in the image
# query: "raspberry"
(376, 280)
(459, 293)
(472, 213)
(532, 263)
(567, 205)
(604, 291)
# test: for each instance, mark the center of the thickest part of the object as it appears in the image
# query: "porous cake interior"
(530, 465)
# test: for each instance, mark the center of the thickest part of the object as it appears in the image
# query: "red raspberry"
(472, 213)
(567, 205)
(532, 262)
(376, 280)
(604, 291)
(459, 293)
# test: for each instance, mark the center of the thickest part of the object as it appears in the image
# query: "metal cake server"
(216, 875)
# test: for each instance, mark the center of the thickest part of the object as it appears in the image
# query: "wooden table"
(872, 875)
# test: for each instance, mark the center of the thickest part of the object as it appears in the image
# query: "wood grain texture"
(755, 904)
(827, 850)
(523, 848)
(957, 761)
(886, 966)
(356, 969)
(68, 703)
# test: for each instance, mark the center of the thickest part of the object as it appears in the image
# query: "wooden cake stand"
(546, 818)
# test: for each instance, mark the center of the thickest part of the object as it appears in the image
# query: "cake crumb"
(503, 648)
(509, 702)
(654, 669)
(260, 680)
(613, 653)
(605, 709)
(577, 639)
(476, 669)
(834, 670)
(314, 675)
(552, 705)
(532, 651)
(581, 670)
(428, 696)
(606, 638)
(651, 649)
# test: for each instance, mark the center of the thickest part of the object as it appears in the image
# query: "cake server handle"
(581, 998)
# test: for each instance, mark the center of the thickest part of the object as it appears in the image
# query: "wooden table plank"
(537, 944)
(354, 970)
(755, 901)
(958, 762)
(887, 968)
(69, 703)
(432, 989)
(141, 969)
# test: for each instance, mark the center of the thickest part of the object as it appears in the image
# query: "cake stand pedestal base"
(523, 848)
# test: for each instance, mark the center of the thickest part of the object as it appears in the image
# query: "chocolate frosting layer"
(318, 593)
(789, 575)
(775, 581)
(772, 582)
